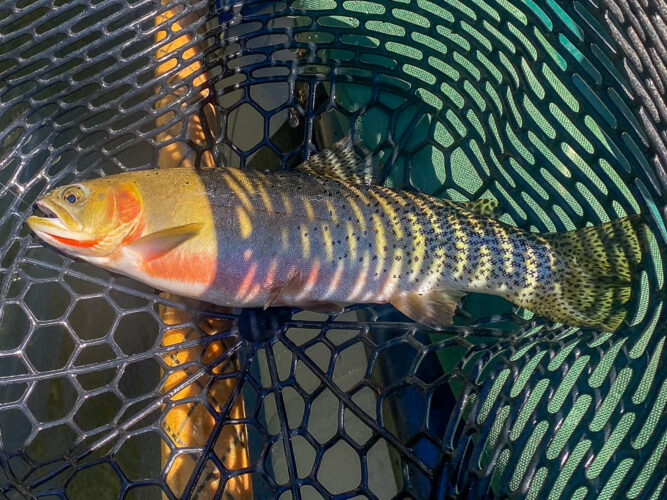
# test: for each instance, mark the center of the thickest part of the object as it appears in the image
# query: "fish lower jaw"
(51, 227)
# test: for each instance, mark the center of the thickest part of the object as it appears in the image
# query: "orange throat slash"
(75, 243)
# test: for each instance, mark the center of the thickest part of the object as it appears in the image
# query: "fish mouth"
(57, 225)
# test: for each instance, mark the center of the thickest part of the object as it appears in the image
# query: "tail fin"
(602, 261)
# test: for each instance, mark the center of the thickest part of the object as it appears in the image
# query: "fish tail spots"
(600, 262)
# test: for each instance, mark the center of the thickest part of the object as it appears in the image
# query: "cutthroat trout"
(323, 236)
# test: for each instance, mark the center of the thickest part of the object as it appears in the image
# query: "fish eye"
(72, 195)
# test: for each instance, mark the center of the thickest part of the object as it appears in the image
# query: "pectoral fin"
(433, 309)
(157, 244)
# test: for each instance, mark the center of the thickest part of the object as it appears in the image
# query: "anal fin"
(292, 286)
(434, 309)
(292, 283)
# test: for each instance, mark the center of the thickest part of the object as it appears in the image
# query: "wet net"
(108, 390)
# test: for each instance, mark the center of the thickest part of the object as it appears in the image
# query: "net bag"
(108, 389)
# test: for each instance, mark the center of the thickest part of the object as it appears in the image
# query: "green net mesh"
(554, 108)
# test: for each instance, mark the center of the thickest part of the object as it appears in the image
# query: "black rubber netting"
(554, 108)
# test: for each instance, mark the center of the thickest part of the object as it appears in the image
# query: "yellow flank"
(358, 194)
(242, 179)
(332, 212)
(358, 214)
(380, 242)
(429, 214)
(328, 242)
(507, 248)
(394, 273)
(287, 204)
(173, 198)
(308, 207)
(236, 188)
(266, 199)
(245, 224)
(361, 220)
(388, 209)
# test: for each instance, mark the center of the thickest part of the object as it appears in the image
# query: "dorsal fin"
(484, 207)
(346, 160)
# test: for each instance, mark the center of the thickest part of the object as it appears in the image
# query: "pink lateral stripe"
(183, 266)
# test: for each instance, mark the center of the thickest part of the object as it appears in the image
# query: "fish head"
(88, 219)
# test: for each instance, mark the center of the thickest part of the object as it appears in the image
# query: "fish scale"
(325, 236)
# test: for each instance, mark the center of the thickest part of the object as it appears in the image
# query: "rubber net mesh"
(554, 108)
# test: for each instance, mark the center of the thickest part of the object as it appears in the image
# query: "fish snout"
(41, 208)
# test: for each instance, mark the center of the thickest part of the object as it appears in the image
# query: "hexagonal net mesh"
(554, 108)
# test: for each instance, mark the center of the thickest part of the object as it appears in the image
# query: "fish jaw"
(59, 228)
(53, 231)
(57, 211)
